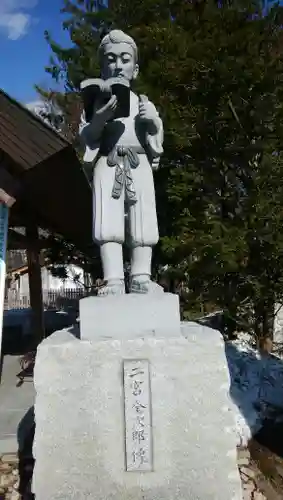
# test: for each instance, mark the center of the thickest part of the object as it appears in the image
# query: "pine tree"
(215, 73)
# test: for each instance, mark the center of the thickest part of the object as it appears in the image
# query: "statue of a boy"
(124, 152)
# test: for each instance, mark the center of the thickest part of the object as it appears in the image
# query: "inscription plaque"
(138, 416)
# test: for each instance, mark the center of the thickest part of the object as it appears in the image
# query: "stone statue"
(124, 151)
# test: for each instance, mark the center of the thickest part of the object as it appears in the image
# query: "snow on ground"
(256, 387)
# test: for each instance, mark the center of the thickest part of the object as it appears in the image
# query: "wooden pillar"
(35, 285)
(4, 213)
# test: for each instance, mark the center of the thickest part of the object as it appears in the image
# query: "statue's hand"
(107, 111)
(148, 113)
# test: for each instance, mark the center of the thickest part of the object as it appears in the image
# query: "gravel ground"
(9, 477)
(261, 473)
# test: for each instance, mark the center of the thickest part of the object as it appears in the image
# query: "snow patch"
(256, 389)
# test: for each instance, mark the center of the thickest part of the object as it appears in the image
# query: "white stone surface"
(79, 444)
(129, 316)
(137, 396)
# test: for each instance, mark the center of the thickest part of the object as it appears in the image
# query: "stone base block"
(129, 316)
(81, 410)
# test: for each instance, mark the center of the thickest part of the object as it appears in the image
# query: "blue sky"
(24, 51)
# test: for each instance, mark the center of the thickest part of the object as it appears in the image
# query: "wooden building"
(44, 185)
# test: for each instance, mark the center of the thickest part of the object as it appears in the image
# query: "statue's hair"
(117, 36)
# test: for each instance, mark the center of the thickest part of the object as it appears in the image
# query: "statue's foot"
(116, 287)
(145, 286)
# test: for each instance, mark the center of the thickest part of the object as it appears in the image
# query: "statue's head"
(118, 55)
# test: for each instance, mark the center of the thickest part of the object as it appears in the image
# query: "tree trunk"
(268, 318)
(264, 318)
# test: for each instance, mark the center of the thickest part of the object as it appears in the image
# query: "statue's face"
(119, 60)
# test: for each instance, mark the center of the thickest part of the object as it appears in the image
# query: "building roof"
(24, 136)
(44, 175)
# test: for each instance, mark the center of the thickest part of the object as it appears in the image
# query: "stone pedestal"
(129, 316)
(134, 419)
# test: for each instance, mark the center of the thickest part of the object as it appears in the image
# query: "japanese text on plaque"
(137, 415)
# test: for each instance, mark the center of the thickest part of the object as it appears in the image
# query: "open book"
(95, 89)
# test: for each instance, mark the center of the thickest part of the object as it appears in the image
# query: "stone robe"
(109, 211)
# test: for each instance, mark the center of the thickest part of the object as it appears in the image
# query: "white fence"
(57, 299)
